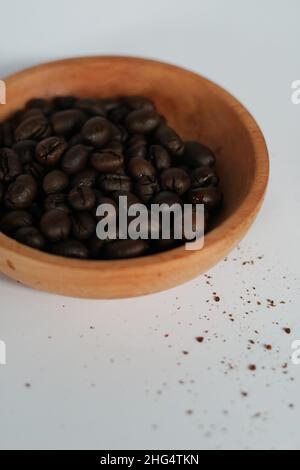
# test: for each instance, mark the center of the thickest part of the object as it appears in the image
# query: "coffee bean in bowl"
(68, 156)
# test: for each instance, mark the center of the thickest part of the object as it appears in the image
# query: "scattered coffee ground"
(268, 347)
(199, 339)
(287, 331)
(60, 159)
(252, 367)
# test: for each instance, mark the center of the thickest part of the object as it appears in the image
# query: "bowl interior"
(196, 108)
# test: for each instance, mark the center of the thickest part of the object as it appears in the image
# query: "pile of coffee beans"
(61, 158)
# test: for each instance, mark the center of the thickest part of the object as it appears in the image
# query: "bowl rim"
(218, 236)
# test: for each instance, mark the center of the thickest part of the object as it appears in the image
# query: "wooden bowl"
(198, 109)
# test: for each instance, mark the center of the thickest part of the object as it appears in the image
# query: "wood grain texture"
(198, 109)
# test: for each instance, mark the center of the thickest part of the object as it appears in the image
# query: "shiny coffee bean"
(55, 225)
(55, 182)
(175, 179)
(49, 151)
(211, 197)
(10, 165)
(107, 161)
(57, 201)
(159, 157)
(83, 225)
(21, 193)
(97, 132)
(169, 139)
(30, 113)
(142, 121)
(125, 248)
(34, 128)
(197, 155)
(71, 249)
(146, 187)
(25, 150)
(30, 236)
(138, 167)
(82, 198)
(67, 122)
(75, 159)
(14, 220)
(109, 183)
(86, 177)
(203, 177)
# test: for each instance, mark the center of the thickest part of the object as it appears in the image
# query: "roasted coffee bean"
(68, 122)
(21, 193)
(175, 179)
(197, 155)
(97, 132)
(203, 177)
(85, 178)
(14, 220)
(71, 249)
(138, 150)
(142, 121)
(107, 161)
(75, 159)
(55, 225)
(55, 182)
(146, 187)
(10, 165)
(82, 198)
(166, 197)
(109, 183)
(30, 236)
(138, 102)
(83, 225)
(92, 107)
(169, 139)
(125, 248)
(36, 170)
(34, 128)
(118, 133)
(49, 151)
(25, 150)
(160, 158)
(211, 197)
(64, 102)
(57, 201)
(138, 167)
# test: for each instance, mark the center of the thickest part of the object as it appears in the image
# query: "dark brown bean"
(142, 121)
(30, 236)
(71, 249)
(198, 155)
(175, 179)
(125, 248)
(21, 193)
(14, 220)
(55, 225)
(138, 167)
(55, 182)
(107, 161)
(82, 198)
(169, 139)
(10, 165)
(211, 197)
(75, 159)
(97, 132)
(68, 122)
(49, 151)
(34, 128)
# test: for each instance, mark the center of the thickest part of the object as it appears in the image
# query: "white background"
(102, 374)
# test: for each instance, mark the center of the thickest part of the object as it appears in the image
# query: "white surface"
(117, 385)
